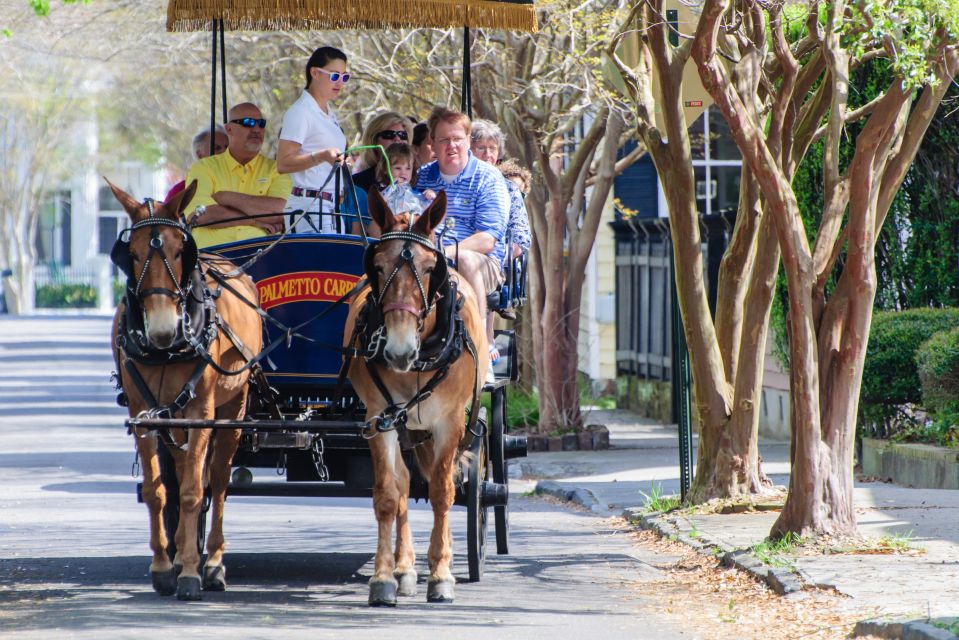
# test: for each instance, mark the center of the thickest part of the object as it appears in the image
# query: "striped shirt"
(477, 199)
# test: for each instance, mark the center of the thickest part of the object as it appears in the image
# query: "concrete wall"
(911, 464)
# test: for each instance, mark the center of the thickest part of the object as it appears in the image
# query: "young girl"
(400, 195)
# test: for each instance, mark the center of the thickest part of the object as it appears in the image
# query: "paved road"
(73, 541)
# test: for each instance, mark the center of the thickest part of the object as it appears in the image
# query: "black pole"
(466, 94)
(223, 68)
(213, 92)
(681, 386)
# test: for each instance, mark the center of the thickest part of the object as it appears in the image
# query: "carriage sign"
(302, 286)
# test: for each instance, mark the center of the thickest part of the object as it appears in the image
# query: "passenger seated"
(238, 186)
(477, 200)
(488, 144)
(201, 149)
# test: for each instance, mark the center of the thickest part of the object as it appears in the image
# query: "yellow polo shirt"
(222, 172)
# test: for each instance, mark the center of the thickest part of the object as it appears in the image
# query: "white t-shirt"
(313, 129)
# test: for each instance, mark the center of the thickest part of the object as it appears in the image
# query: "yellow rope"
(271, 15)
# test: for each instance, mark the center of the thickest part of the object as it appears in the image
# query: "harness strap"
(394, 417)
(179, 402)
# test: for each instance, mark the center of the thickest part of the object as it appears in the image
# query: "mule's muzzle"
(400, 359)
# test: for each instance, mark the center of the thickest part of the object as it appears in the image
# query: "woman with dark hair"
(311, 141)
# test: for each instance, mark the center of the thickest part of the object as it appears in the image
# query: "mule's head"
(406, 273)
(157, 255)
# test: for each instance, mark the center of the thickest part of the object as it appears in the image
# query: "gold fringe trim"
(319, 15)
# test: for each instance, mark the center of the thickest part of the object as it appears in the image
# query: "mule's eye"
(379, 269)
(178, 255)
(135, 257)
(428, 270)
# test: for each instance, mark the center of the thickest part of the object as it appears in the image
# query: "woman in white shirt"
(311, 140)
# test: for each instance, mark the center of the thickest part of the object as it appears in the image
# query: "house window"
(53, 229)
(716, 162)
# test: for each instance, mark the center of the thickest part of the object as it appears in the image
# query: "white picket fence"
(96, 273)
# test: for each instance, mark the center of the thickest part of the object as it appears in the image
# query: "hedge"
(938, 363)
(63, 296)
(890, 377)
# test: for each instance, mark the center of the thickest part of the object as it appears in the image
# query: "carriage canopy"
(257, 15)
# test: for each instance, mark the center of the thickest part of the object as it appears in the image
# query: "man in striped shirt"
(477, 200)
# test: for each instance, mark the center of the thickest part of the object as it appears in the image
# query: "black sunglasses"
(249, 123)
(392, 135)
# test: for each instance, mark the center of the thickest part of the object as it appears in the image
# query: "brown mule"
(438, 422)
(159, 260)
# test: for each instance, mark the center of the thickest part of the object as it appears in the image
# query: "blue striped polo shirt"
(477, 199)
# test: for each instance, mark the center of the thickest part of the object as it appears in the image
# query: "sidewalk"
(920, 583)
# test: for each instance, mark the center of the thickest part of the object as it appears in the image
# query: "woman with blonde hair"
(386, 129)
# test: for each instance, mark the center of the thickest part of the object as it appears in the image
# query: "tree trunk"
(737, 468)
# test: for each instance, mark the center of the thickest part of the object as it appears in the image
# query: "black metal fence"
(644, 290)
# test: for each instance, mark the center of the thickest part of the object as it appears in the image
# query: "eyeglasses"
(448, 141)
(392, 135)
(249, 123)
(336, 76)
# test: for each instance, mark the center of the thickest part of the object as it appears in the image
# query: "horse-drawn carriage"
(301, 415)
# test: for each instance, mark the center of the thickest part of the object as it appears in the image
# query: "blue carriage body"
(301, 276)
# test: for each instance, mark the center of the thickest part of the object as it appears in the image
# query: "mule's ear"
(380, 211)
(128, 202)
(432, 216)
(179, 202)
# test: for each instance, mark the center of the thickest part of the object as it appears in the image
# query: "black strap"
(182, 399)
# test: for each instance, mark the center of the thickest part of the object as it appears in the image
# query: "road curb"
(577, 495)
(910, 630)
(781, 580)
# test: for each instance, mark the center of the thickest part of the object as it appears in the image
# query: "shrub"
(890, 378)
(937, 361)
(63, 296)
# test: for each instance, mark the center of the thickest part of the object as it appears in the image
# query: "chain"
(316, 450)
(135, 467)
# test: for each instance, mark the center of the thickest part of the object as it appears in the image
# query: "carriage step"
(494, 494)
(514, 447)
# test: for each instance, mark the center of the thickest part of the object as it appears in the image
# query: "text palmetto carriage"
(306, 425)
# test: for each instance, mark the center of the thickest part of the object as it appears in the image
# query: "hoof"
(188, 588)
(382, 594)
(164, 582)
(439, 591)
(214, 578)
(407, 583)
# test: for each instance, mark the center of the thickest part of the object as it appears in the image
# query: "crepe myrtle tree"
(780, 76)
(726, 348)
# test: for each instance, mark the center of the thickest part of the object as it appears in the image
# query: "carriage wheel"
(500, 466)
(171, 510)
(479, 470)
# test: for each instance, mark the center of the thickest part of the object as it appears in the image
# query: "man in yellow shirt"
(238, 184)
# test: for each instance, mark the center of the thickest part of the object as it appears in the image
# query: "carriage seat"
(513, 292)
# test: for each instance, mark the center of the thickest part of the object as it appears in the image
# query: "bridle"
(428, 295)
(120, 255)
